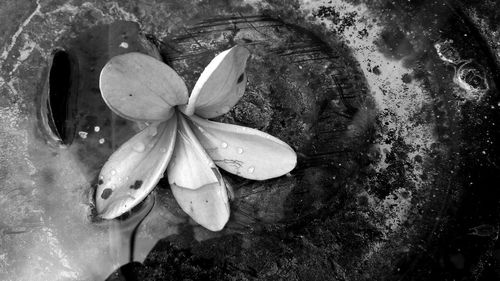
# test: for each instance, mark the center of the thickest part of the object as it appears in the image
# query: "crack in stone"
(6, 52)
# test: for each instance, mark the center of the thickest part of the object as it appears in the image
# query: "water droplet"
(251, 169)
(82, 134)
(124, 45)
(97, 129)
(153, 131)
(139, 147)
(113, 172)
(101, 141)
(224, 145)
(240, 150)
(101, 177)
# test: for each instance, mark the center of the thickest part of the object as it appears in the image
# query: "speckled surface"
(397, 158)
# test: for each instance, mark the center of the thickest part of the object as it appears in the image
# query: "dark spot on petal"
(100, 182)
(240, 79)
(136, 185)
(106, 193)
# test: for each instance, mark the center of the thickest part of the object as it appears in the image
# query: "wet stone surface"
(391, 183)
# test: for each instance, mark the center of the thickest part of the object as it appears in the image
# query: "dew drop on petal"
(97, 129)
(139, 147)
(251, 169)
(224, 145)
(240, 150)
(113, 172)
(101, 141)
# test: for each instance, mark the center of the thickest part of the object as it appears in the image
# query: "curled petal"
(190, 167)
(207, 205)
(220, 85)
(141, 88)
(245, 152)
(134, 169)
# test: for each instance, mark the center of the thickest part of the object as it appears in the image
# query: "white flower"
(180, 139)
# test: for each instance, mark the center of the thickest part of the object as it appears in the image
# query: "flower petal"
(207, 205)
(135, 168)
(141, 88)
(246, 152)
(191, 166)
(220, 85)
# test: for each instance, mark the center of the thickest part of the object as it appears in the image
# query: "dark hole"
(60, 82)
